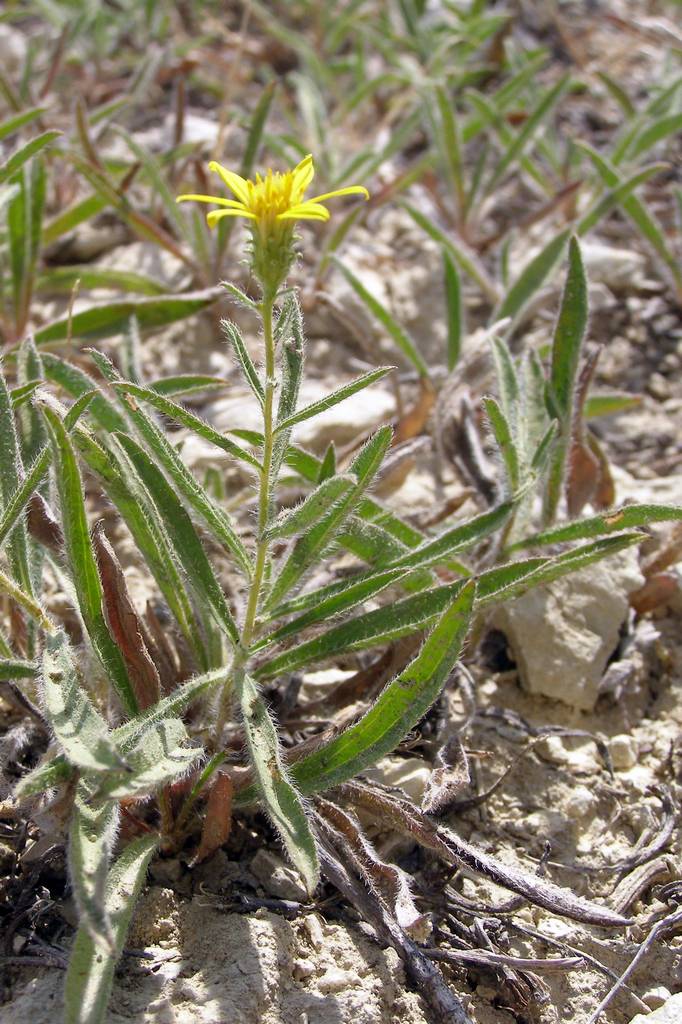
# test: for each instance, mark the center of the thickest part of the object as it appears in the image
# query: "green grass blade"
(531, 278)
(401, 338)
(616, 195)
(453, 309)
(22, 155)
(13, 124)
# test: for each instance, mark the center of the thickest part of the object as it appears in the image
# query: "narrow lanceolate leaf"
(457, 538)
(215, 517)
(365, 631)
(280, 799)
(245, 361)
(348, 595)
(77, 382)
(183, 536)
(295, 520)
(79, 728)
(401, 338)
(609, 404)
(505, 442)
(161, 757)
(91, 838)
(22, 155)
(129, 734)
(616, 195)
(27, 602)
(13, 668)
(308, 548)
(566, 346)
(615, 520)
(509, 581)
(10, 479)
(188, 419)
(82, 563)
(46, 776)
(91, 969)
(186, 384)
(112, 317)
(637, 212)
(453, 306)
(398, 708)
(315, 408)
(289, 334)
(531, 278)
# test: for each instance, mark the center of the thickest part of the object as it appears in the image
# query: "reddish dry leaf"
(42, 524)
(414, 421)
(218, 820)
(124, 623)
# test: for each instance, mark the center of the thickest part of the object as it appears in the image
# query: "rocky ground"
(574, 736)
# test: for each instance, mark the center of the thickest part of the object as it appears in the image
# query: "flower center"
(271, 195)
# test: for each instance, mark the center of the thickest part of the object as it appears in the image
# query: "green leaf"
(616, 195)
(46, 776)
(183, 537)
(160, 757)
(654, 133)
(345, 595)
(80, 729)
(345, 391)
(188, 419)
(566, 346)
(637, 211)
(296, 520)
(454, 313)
(370, 629)
(280, 799)
(92, 835)
(398, 708)
(13, 668)
(608, 405)
(61, 280)
(465, 259)
(547, 101)
(111, 318)
(627, 517)
(77, 382)
(22, 155)
(69, 219)
(91, 970)
(27, 602)
(531, 278)
(248, 369)
(186, 384)
(13, 124)
(308, 547)
(505, 442)
(82, 562)
(401, 338)
(10, 476)
(167, 457)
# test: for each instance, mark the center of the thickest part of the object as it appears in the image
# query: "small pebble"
(303, 969)
(335, 980)
(624, 751)
(656, 997)
(580, 803)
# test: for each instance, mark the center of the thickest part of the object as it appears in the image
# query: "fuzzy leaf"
(160, 757)
(91, 970)
(91, 839)
(280, 799)
(297, 519)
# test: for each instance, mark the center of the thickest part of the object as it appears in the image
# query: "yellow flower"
(272, 199)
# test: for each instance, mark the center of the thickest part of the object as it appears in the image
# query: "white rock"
(562, 635)
(656, 997)
(580, 803)
(12, 49)
(614, 267)
(624, 751)
(411, 774)
(669, 1013)
(335, 980)
(276, 877)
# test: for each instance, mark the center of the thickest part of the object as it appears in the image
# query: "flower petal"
(352, 190)
(234, 182)
(211, 199)
(214, 216)
(305, 211)
(303, 175)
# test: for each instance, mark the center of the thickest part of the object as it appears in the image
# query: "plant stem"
(264, 502)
